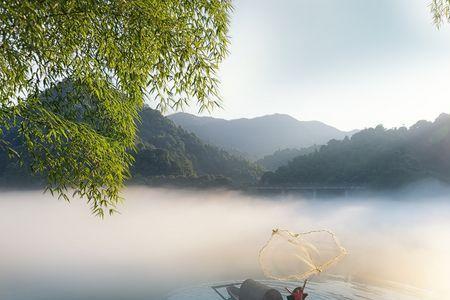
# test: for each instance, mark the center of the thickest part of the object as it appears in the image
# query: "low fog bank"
(166, 239)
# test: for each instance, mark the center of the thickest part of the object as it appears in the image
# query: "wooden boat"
(233, 292)
(249, 290)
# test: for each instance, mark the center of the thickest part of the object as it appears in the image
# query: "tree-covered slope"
(282, 157)
(374, 157)
(14, 173)
(166, 149)
(165, 154)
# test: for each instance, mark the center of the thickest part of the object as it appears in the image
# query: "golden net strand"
(297, 239)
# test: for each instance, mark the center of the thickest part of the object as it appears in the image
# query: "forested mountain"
(12, 173)
(258, 136)
(282, 157)
(165, 149)
(374, 157)
(166, 154)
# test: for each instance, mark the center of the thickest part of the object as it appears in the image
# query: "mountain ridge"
(374, 158)
(259, 136)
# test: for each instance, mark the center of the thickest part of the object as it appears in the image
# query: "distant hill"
(259, 136)
(165, 149)
(166, 154)
(374, 157)
(282, 157)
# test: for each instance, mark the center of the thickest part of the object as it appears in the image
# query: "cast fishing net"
(298, 256)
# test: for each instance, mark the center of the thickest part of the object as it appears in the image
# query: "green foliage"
(440, 10)
(374, 157)
(165, 149)
(282, 157)
(116, 54)
(165, 155)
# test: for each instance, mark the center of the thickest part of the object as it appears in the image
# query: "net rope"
(297, 256)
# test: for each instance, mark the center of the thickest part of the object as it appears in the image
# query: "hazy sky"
(348, 63)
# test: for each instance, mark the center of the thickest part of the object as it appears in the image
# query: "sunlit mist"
(168, 239)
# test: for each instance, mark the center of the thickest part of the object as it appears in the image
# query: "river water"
(173, 244)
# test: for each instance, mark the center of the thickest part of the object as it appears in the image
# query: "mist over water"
(168, 239)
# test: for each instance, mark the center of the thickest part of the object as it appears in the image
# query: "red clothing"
(298, 295)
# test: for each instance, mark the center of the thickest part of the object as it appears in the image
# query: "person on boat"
(299, 294)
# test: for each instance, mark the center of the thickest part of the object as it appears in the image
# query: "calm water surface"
(324, 288)
(172, 244)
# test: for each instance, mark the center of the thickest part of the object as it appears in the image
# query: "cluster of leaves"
(374, 157)
(165, 155)
(116, 54)
(440, 10)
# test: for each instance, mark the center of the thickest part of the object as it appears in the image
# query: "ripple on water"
(327, 288)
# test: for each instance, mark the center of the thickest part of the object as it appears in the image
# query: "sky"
(349, 63)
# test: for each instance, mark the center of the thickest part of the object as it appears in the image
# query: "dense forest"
(15, 173)
(165, 154)
(282, 157)
(374, 157)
